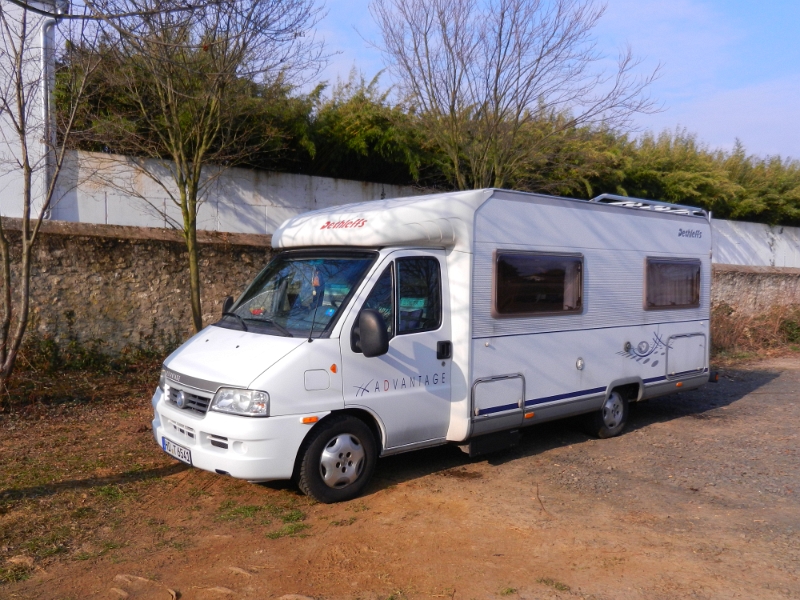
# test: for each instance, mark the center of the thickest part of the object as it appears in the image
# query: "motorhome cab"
(393, 325)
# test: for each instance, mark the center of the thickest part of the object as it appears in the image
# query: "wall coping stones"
(722, 268)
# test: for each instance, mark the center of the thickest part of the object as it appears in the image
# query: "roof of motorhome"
(441, 220)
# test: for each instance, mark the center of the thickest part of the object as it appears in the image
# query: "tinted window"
(382, 299)
(672, 283)
(419, 305)
(537, 283)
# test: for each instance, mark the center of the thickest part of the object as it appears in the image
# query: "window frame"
(497, 254)
(672, 260)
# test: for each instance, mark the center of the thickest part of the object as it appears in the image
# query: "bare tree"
(176, 93)
(482, 73)
(30, 159)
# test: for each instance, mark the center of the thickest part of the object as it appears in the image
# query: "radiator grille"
(194, 401)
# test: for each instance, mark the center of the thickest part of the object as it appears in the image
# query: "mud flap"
(493, 442)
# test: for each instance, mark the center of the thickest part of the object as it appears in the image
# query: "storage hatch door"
(497, 396)
(686, 354)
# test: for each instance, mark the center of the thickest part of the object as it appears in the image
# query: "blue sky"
(730, 68)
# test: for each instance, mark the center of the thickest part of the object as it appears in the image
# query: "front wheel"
(611, 418)
(337, 460)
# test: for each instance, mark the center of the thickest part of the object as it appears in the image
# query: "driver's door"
(408, 387)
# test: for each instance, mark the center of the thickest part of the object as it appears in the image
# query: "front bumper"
(258, 449)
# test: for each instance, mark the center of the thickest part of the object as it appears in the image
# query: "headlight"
(162, 380)
(249, 403)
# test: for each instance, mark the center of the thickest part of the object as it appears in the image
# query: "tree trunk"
(5, 325)
(194, 277)
(13, 336)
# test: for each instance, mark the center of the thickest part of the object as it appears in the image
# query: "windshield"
(299, 294)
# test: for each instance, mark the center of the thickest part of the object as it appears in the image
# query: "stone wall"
(754, 290)
(128, 286)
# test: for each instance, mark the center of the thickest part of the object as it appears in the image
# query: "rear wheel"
(611, 418)
(337, 460)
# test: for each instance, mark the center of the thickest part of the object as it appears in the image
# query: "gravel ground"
(697, 499)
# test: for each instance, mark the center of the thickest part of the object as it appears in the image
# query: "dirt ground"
(699, 498)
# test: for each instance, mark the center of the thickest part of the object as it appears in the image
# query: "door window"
(418, 301)
(420, 295)
(381, 299)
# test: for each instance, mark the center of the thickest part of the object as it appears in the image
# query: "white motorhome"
(392, 325)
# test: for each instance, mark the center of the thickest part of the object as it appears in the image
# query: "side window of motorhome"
(420, 295)
(530, 284)
(381, 299)
(672, 283)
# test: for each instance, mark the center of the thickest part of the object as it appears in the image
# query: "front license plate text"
(179, 452)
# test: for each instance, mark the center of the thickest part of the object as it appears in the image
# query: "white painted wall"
(11, 42)
(100, 188)
(755, 244)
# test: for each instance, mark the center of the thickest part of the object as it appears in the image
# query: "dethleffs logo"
(344, 224)
(690, 233)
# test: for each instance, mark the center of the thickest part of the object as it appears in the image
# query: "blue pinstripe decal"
(495, 409)
(564, 396)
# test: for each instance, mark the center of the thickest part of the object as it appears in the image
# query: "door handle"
(444, 350)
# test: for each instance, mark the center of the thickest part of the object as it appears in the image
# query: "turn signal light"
(333, 368)
(679, 384)
(529, 415)
(309, 420)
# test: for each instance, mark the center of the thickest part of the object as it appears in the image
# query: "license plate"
(179, 452)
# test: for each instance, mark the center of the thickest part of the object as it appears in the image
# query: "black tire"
(337, 460)
(610, 420)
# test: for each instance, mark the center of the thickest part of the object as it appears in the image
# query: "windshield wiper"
(277, 326)
(230, 314)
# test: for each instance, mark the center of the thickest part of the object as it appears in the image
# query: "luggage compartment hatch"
(686, 354)
(498, 395)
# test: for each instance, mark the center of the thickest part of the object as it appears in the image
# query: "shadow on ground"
(535, 440)
(733, 386)
(125, 477)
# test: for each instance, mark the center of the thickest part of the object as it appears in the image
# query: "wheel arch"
(631, 388)
(370, 419)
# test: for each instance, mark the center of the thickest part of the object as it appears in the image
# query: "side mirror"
(374, 340)
(227, 303)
